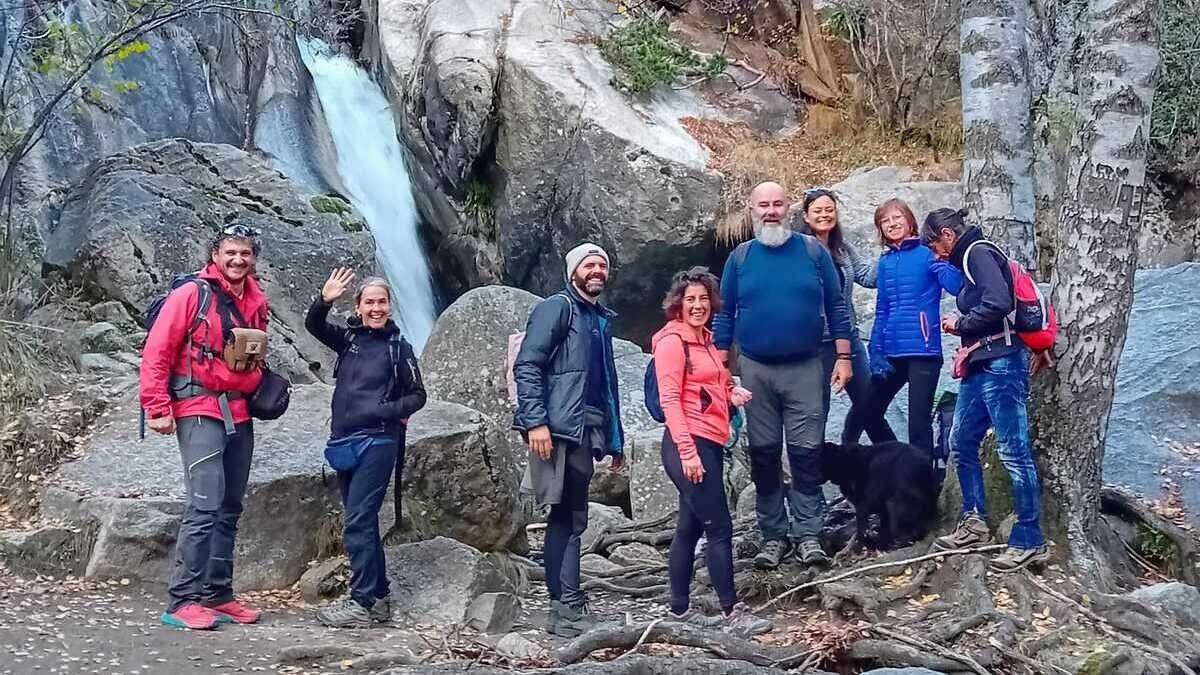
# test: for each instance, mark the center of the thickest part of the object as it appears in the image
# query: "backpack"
(204, 301)
(514, 347)
(1033, 317)
(650, 385)
(395, 357)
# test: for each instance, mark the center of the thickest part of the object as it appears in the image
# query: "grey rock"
(592, 563)
(147, 214)
(636, 554)
(518, 646)
(747, 502)
(105, 365)
(113, 312)
(903, 671)
(1165, 238)
(324, 580)
(458, 479)
(493, 613)
(1154, 427)
(50, 549)
(441, 579)
(651, 492)
(103, 338)
(601, 520)
(1178, 600)
(135, 505)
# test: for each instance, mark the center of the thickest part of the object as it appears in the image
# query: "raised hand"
(337, 283)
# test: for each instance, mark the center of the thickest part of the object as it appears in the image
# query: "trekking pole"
(141, 424)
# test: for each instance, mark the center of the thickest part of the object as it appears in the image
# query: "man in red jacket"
(187, 389)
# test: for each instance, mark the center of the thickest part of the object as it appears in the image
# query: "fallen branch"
(892, 653)
(642, 640)
(675, 633)
(1108, 630)
(877, 566)
(643, 592)
(922, 643)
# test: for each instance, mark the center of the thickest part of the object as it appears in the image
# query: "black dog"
(893, 479)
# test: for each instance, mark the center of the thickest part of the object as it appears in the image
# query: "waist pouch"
(272, 397)
(246, 347)
(343, 454)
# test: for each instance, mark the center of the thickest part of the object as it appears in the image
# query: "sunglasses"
(239, 230)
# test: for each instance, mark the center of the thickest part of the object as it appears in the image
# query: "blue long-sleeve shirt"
(777, 302)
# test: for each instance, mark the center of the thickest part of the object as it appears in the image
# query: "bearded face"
(769, 227)
(591, 276)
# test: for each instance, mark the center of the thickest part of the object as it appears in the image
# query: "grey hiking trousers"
(787, 408)
(216, 468)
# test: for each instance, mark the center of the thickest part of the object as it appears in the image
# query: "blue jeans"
(363, 490)
(994, 394)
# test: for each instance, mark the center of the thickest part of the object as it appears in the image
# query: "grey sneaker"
(742, 622)
(381, 611)
(573, 620)
(1013, 559)
(773, 552)
(972, 530)
(344, 613)
(811, 553)
(697, 618)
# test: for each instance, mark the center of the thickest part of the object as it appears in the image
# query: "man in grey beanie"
(568, 410)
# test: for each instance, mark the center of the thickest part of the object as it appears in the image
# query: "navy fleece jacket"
(776, 304)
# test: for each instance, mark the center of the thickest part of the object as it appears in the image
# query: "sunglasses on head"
(818, 192)
(239, 230)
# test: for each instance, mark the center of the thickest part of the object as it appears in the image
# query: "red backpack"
(1033, 317)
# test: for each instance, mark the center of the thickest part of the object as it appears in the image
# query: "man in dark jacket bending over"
(568, 409)
(779, 289)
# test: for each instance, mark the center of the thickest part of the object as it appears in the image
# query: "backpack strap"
(1010, 318)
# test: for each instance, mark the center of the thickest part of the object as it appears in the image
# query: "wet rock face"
(141, 217)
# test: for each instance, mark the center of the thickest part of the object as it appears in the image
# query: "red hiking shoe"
(235, 611)
(191, 616)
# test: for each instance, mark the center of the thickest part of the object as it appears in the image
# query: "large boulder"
(458, 478)
(464, 362)
(623, 170)
(130, 494)
(147, 214)
(1154, 427)
(448, 582)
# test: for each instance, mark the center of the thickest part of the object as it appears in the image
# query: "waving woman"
(378, 388)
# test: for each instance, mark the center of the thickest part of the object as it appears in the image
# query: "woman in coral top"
(696, 391)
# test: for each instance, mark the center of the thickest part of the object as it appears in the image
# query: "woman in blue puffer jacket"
(906, 346)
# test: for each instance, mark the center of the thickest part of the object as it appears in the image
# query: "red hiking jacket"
(166, 351)
(680, 393)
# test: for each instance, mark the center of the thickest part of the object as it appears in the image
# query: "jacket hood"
(677, 327)
(355, 324)
(575, 295)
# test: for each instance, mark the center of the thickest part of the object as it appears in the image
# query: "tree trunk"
(1092, 278)
(997, 144)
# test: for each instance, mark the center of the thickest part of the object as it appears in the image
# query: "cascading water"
(371, 165)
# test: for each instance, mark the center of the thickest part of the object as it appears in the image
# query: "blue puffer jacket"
(907, 315)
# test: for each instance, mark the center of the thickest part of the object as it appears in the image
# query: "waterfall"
(371, 165)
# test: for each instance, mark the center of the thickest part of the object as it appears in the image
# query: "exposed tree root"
(922, 643)
(1125, 503)
(901, 655)
(670, 632)
(634, 664)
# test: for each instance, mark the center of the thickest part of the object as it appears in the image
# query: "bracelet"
(844, 357)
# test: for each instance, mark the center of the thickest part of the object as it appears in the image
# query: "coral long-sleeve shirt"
(695, 402)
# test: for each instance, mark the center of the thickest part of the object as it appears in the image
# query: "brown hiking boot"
(1013, 559)
(972, 530)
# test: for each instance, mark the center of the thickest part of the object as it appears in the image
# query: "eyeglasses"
(240, 230)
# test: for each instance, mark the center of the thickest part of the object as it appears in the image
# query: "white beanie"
(576, 256)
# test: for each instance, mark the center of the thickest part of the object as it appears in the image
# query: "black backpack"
(204, 300)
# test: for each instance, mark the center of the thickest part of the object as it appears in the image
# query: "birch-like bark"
(1092, 279)
(997, 144)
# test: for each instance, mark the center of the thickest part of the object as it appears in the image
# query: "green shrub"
(646, 56)
(480, 207)
(1152, 544)
(1175, 116)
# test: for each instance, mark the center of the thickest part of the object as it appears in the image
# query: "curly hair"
(673, 302)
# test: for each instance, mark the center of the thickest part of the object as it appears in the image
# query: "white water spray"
(371, 164)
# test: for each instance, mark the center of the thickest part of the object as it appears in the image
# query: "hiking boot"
(972, 530)
(381, 611)
(235, 611)
(773, 552)
(742, 622)
(694, 617)
(811, 553)
(573, 620)
(192, 616)
(344, 613)
(1013, 559)
(552, 618)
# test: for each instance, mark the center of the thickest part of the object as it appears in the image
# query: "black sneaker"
(773, 552)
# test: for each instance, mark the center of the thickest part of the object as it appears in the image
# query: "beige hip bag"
(245, 349)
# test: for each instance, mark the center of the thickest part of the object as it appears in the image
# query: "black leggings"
(702, 511)
(921, 374)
